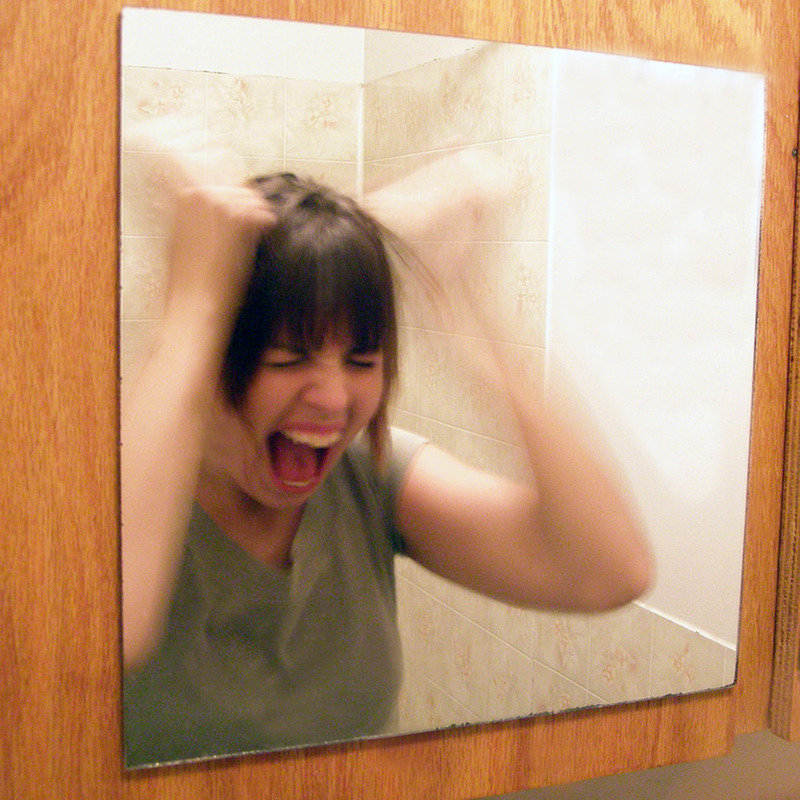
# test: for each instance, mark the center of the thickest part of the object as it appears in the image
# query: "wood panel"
(785, 711)
(59, 690)
(781, 51)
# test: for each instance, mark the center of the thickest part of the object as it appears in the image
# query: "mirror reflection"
(556, 518)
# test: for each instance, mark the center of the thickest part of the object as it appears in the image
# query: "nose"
(327, 389)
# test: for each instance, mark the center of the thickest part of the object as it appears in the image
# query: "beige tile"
(402, 566)
(476, 404)
(436, 377)
(247, 113)
(485, 453)
(424, 706)
(135, 340)
(146, 186)
(528, 98)
(444, 116)
(322, 121)
(481, 94)
(526, 205)
(439, 433)
(553, 693)
(463, 666)
(152, 93)
(413, 296)
(514, 626)
(563, 644)
(403, 419)
(729, 667)
(522, 292)
(509, 683)
(404, 113)
(619, 663)
(684, 660)
(412, 115)
(143, 277)
(407, 391)
(468, 97)
(468, 603)
(386, 103)
(420, 630)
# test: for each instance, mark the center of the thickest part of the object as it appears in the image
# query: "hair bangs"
(322, 272)
(329, 284)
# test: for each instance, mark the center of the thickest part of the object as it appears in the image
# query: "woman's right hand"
(216, 231)
(163, 422)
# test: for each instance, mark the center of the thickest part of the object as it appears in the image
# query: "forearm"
(213, 244)
(584, 518)
(162, 429)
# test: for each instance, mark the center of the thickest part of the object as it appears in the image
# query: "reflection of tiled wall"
(493, 100)
(467, 658)
(261, 123)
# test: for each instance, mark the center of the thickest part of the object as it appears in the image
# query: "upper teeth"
(313, 439)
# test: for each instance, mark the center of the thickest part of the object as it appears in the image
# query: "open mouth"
(298, 459)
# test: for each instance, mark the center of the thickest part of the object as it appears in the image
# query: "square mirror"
(615, 252)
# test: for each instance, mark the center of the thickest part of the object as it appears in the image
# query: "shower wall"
(656, 195)
(225, 125)
(467, 658)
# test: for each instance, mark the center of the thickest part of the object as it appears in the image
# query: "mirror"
(624, 254)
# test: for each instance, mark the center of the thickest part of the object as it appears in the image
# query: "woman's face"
(299, 413)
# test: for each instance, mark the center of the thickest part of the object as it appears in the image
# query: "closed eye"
(365, 360)
(283, 357)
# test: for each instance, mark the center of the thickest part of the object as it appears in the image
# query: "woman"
(259, 531)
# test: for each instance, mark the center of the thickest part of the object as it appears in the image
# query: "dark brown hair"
(323, 267)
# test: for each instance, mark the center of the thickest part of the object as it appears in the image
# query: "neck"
(265, 533)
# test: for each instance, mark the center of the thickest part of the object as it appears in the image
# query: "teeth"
(298, 484)
(313, 439)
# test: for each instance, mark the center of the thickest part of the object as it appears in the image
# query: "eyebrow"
(359, 351)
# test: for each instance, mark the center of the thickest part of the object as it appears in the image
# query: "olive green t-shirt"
(254, 657)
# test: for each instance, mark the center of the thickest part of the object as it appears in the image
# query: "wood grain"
(785, 708)
(781, 53)
(59, 690)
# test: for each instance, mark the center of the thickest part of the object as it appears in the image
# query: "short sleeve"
(382, 485)
(404, 447)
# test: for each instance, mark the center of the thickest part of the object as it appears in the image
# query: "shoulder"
(404, 446)
(375, 489)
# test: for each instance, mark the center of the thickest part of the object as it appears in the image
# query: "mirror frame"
(785, 710)
(58, 223)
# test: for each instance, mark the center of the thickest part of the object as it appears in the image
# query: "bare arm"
(164, 416)
(571, 538)
(571, 541)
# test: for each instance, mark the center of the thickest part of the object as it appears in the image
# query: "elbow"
(636, 583)
(134, 653)
(139, 641)
(621, 585)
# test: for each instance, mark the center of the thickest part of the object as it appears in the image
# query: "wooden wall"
(59, 674)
